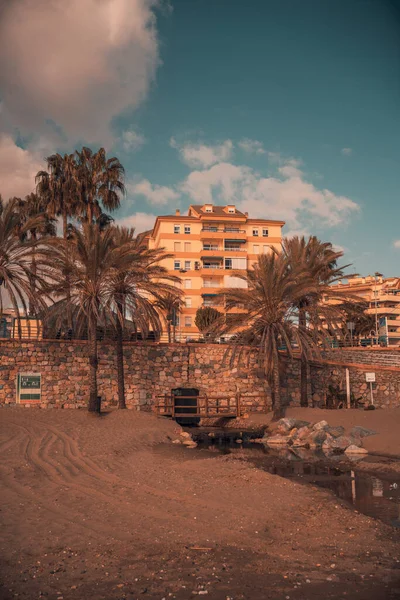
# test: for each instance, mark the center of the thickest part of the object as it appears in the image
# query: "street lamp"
(376, 304)
(351, 327)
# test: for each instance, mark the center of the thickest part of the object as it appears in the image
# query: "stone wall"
(152, 370)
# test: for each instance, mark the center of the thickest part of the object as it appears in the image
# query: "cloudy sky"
(288, 108)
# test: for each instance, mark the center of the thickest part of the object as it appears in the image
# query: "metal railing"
(222, 230)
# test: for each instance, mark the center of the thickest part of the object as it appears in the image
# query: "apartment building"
(383, 298)
(208, 245)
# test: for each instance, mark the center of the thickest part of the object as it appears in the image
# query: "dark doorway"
(186, 404)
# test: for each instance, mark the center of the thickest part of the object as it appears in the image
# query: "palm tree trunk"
(120, 360)
(169, 330)
(93, 363)
(68, 286)
(33, 272)
(279, 411)
(303, 365)
(65, 225)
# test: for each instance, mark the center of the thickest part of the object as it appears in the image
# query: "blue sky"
(289, 107)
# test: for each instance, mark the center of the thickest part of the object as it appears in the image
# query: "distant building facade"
(208, 245)
(382, 296)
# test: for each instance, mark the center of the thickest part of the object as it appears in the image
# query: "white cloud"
(251, 146)
(73, 66)
(396, 244)
(18, 168)
(131, 140)
(287, 195)
(155, 194)
(202, 155)
(346, 151)
(140, 221)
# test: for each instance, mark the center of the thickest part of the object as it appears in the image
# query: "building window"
(187, 265)
(256, 249)
(177, 265)
(187, 246)
(188, 302)
(228, 263)
(265, 232)
(188, 321)
(255, 232)
(187, 229)
(188, 284)
(265, 249)
(231, 210)
(177, 246)
(177, 228)
(208, 208)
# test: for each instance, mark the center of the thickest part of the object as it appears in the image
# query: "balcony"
(234, 249)
(221, 232)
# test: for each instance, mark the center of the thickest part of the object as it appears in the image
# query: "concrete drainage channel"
(377, 497)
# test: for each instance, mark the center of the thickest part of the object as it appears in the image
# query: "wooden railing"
(205, 407)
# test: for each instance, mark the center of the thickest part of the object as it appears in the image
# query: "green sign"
(29, 386)
(30, 382)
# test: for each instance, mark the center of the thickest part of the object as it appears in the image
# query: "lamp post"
(376, 305)
(351, 326)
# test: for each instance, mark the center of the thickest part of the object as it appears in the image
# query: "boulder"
(286, 424)
(362, 431)
(355, 450)
(335, 431)
(320, 425)
(301, 438)
(277, 440)
(340, 443)
(316, 438)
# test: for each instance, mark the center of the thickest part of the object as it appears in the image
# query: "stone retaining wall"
(152, 370)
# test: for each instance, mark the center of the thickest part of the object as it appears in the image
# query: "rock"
(316, 438)
(320, 425)
(355, 450)
(286, 424)
(362, 431)
(189, 443)
(340, 443)
(277, 440)
(335, 431)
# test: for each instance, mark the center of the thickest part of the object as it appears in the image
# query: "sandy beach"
(108, 508)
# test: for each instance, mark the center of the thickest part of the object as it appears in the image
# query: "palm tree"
(59, 187)
(266, 318)
(30, 229)
(85, 257)
(16, 261)
(169, 305)
(136, 286)
(318, 261)
(101, 183)
(206, 318)
(111, 277)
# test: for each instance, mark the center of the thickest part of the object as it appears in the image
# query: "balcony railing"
(212, 248)
(223, 230)
(215, 266)
(234, 249)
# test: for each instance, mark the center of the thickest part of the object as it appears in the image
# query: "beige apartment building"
(383, 298)
(209, 244)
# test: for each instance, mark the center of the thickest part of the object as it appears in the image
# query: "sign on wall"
(29, 387)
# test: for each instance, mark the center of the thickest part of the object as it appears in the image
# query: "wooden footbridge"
(189, 403)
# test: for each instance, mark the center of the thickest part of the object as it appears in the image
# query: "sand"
(108, 508)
